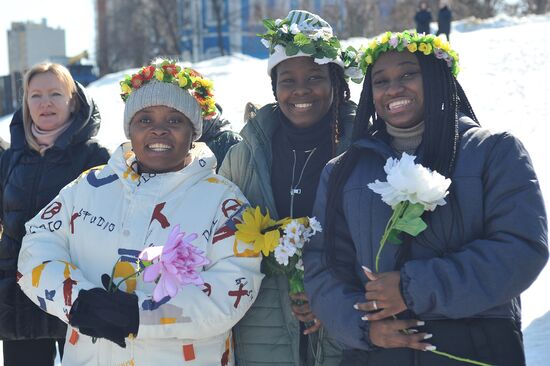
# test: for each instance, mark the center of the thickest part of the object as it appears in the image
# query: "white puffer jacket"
(110, 214)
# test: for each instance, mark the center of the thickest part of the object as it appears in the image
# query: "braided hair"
(444, 101)
(340, 92)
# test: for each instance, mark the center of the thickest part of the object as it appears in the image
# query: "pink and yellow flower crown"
(167, 71)
(413, 42)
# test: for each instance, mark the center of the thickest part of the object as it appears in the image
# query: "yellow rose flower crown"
(413, 42)
(167, 71)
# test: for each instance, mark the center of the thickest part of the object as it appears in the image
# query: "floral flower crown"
(315, 40)
(398, 41)
(167, 71)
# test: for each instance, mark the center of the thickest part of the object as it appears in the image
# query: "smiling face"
(304, 90)
(397, 89)
(161, 138)
(49, 100)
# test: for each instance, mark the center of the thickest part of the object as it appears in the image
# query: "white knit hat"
(316, 32)
(170, 95)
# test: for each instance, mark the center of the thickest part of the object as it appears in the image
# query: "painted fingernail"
(356, 307)
(366, 269)
(364, 317)
(430, 348)
(411, 331)
(428, 336)
(420, 323)
(315, 321)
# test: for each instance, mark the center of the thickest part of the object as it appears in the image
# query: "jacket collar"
(379, 143)
(123, 161)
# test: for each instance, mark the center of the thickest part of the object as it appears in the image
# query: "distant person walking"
(444, 18)
(423, 17)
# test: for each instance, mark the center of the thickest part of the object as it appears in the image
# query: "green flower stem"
(397, 213)
(461, 359)
(296, 282)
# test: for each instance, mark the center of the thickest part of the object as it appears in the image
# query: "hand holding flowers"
(281, 242)
(410, 189)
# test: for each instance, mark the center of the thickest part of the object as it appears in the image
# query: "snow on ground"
(505, 63)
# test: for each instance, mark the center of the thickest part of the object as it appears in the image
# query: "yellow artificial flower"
(427, 49)
(445, 46)
(182, 81)
(159, 74)
(384, 38)
(253, 231)
(368, 59)
(412, 47)
(126, 89)
(206, 83)
(438, 42)
(373, 44)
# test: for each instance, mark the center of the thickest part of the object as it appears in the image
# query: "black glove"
(101, 314)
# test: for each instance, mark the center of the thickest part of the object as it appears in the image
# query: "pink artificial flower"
(176, 264)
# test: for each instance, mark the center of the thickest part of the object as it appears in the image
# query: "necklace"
(294, 190)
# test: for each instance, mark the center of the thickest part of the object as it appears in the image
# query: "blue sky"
(76, 17)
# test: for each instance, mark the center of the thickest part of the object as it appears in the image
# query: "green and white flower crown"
(168, 71)
(310, 38)
(413, 42)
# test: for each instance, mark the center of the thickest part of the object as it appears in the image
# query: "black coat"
(218, 137)
(28, 182)
(423, 19)
(444, 21)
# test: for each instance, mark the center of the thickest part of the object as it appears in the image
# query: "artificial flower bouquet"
(411, 189)
(171, 266)
(281, 242)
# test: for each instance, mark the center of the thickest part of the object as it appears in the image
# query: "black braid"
(340, 92)
(444, 99)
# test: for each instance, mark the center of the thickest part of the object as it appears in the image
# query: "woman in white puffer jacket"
(104, 219)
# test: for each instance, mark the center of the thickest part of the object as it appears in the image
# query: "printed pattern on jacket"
(108, 216)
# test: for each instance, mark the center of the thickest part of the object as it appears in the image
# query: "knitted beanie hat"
(170, 95)
(301, 33)
(167, 84)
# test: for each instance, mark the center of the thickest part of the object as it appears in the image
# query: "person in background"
(158, 194)
(51, 144)
(277, 166)
(444, 19)
(422, 18)
(218, 136)
(455, 287)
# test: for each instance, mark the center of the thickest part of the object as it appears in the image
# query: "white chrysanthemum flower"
(315, 35)
(314, 225)
(407, 181)
(284, 28)
(354, 73)
(266, 43)
(283, 253)
(294, 29)
(292, 228)
(278, 22)
(326, 33)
